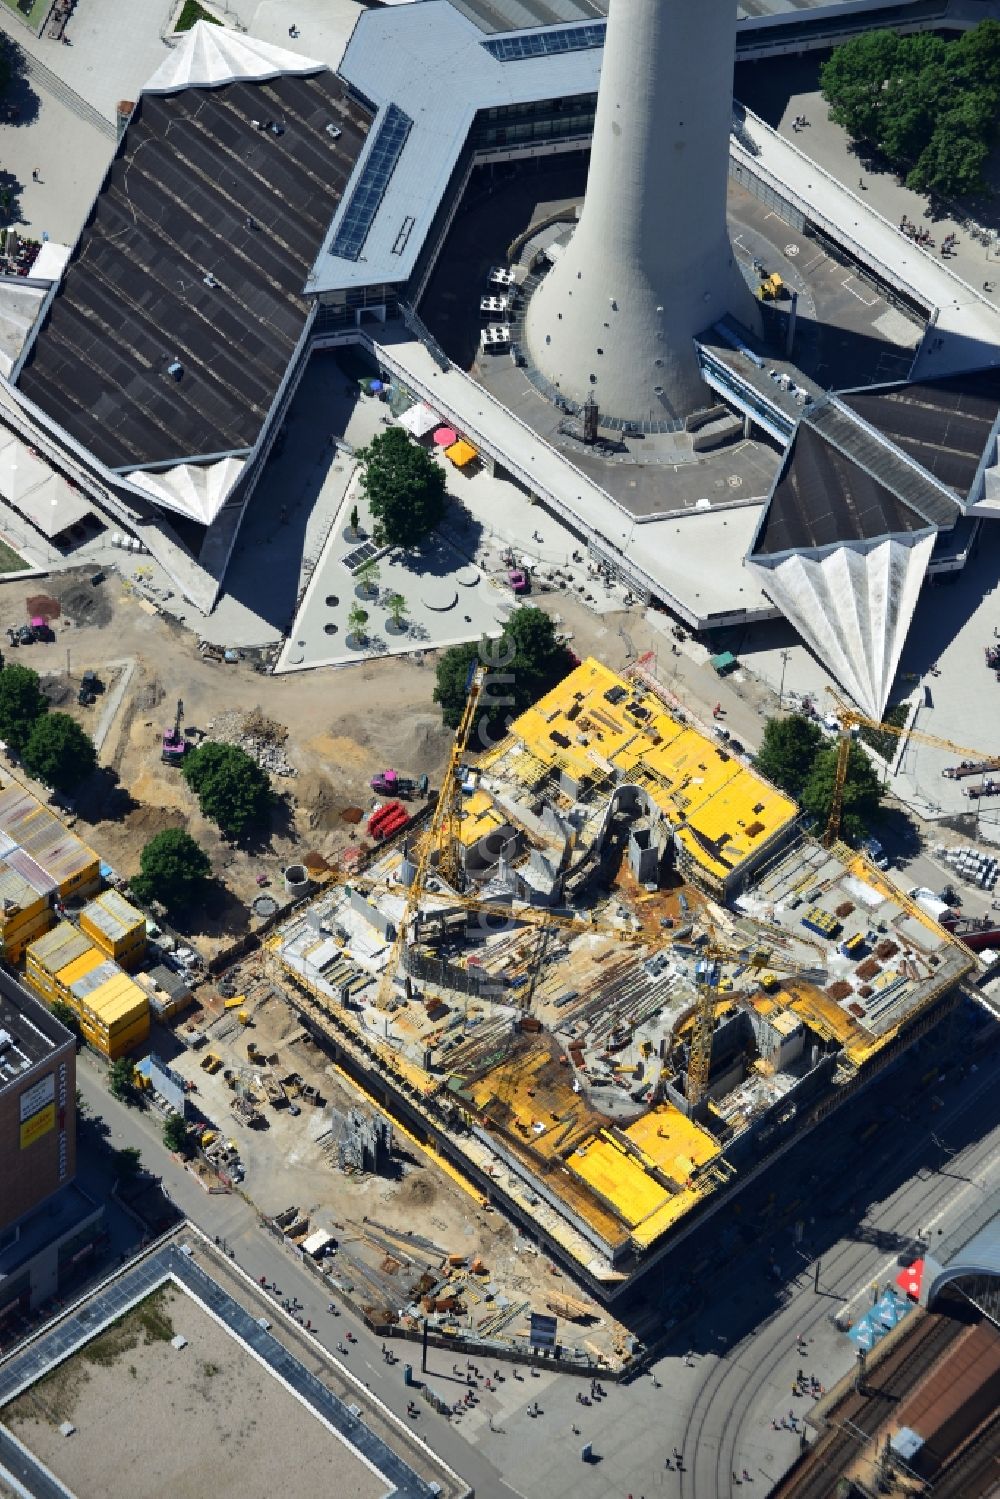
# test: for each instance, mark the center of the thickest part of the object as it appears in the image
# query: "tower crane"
(442, 834)
(851, 718)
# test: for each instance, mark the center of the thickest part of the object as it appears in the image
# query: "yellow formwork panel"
(673, 1142)
(477, 817)
(618, 1177)
(689, 776)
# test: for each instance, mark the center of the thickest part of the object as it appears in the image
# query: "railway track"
(729, 1391)
(819, 1471)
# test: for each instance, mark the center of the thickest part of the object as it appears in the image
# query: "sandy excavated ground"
(205, 1419)
(342, 726)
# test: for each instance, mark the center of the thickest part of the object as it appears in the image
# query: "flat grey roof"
(35, 1034)
(430, 61)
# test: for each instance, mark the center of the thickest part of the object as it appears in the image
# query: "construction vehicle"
(851, 719)
(174, 746)
(771, 288)
(988, 787)
(391, 783)
(210, 1062)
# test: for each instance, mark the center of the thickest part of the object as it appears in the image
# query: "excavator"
(174, 746)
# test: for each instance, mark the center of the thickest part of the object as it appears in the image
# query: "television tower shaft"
(650, 264)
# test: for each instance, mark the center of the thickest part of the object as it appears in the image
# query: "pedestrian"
(746, 1477)
(668, 1464)
(36, 175)
(861, 184)
(735, 1478)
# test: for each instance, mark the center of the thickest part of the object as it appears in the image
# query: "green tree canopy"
(121, 1079)
(175, 1133)
(173, 870)
(787, 751)
(21, 704)
(930, 106)
(231, 788)
(862, 792)
(59, 752)
(526, 662)
(67, 1016)
(405, 488)
(128, 1160)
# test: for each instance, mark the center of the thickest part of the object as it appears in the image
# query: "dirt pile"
(258, 736)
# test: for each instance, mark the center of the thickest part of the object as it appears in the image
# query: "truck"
(929, 902)
(391, 783)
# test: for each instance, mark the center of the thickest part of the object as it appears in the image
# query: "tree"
(173, 870)
(128, 1160)
(121, 1080)
(526, 662)
(787, 752)
(357, 618)
(231, 788)
(354, 521)
(930, 106)
(862, 791)
(67, 1016)
(396, 605)
(21, 705)
(175, 1133)
(368, 575)
(404, 487)
(59, 752)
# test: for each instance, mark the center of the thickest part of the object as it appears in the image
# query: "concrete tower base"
(650, 264)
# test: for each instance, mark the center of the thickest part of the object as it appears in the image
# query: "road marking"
(868, 301)
(816, 261)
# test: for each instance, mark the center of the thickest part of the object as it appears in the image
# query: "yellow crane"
(700, 1059)
(851, 718)
(442, 834)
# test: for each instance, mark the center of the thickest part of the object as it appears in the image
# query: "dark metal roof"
(174, 209)
(822, 497)
(944, 425)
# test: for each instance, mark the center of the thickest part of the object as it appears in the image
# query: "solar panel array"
(546, 43)
(366, 197)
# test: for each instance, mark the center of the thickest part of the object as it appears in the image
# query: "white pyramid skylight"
(853, 605)
(197, 490)
(211, 55)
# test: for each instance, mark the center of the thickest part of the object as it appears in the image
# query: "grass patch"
(10, 562)
(52, 1397)
(191, 12)
(886, 744)
(33, 12)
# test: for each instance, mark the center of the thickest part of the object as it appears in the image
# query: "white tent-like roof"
(197, 490)
(852, 605)
(418, 420)
(212, 55)
(27, 482)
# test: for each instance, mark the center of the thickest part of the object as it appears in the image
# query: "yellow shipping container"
(117, 927)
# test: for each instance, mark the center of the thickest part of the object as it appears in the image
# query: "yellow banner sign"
(38, 1125)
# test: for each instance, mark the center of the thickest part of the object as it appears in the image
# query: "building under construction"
(611, 979)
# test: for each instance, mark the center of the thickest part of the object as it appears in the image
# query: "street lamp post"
(784, 662)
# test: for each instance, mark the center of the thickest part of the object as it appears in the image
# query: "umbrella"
(444, 437)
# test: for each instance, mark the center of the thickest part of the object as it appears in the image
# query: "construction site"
(609, 978)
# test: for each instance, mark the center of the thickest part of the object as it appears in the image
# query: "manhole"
(264, 905)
